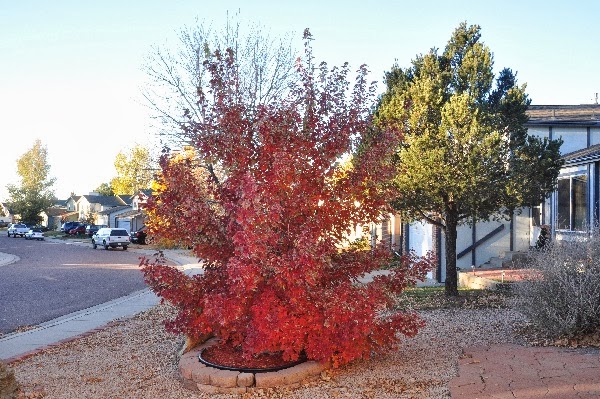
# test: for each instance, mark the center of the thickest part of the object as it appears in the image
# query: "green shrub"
(562, 296)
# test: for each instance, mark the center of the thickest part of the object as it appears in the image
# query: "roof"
(104, 200)
(132, 213)
(69, 213)
(126, 198)
(59, 203)
(586, 155)
(75, 197)
(113, 210)
(569, 115)
(57, 211)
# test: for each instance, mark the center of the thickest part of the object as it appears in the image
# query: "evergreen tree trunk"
(451, 286)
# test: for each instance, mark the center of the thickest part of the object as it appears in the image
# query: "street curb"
(8, 259)
(42, 349)
(181, 261)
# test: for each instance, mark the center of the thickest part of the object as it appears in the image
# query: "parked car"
(68, 226)
(40, 227)
(91, 229)
(109, 237)
(138, 236)
(17, 229)
(78, 230)
(34, 234)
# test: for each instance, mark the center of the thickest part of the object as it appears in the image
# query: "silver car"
(34, 234)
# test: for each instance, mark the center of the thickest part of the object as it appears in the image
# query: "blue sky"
(71, 71)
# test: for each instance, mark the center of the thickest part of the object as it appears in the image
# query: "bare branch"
(176, 77)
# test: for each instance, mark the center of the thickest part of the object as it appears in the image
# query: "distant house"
(6, 215)
(71, 202)
(90, 205)
(108, 216)
(135, 218)
(53, 217)
(569, 211)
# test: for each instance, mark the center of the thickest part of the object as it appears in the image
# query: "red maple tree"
(267, 203)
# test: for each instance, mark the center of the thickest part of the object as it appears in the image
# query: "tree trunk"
(451, 274)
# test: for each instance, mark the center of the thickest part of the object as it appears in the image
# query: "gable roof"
(104, 200)
(115, 209)
(56, 211)
(132, 213)
(64, 216)
(555, 115)
(75, 198)
(125, 198)
(586, 155)
(59, 203)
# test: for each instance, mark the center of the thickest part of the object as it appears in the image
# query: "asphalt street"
(52, 279)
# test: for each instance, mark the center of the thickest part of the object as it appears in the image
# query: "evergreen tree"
(465, 154)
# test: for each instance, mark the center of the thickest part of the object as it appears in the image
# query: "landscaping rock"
(245, 380)
(224, 378)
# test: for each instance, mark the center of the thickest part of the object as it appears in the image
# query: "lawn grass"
(423, 298)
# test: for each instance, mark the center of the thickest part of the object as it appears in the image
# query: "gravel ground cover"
(137, 358)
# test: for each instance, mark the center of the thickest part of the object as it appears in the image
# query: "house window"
(572, 203)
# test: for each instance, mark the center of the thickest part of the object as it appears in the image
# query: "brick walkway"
(512, 371)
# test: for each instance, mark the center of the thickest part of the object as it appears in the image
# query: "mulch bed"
(232, 357)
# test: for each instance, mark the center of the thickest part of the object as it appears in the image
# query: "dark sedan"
(138, 236)
(92, 229)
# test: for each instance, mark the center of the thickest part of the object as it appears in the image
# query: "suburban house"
(5, 214)
(71, 202)
(134, 219)
(108, 216)
(569, 211)
(129, 216)
(54, 216)
(90, 205)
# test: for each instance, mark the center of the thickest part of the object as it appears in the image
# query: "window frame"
(573, 226)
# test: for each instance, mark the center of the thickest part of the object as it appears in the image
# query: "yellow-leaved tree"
(135, 170)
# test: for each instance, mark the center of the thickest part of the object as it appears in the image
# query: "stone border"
(469, 280)
(199, 377)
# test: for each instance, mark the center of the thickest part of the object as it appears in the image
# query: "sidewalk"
(513, 371)
(65, 328)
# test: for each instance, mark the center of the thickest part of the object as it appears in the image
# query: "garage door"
(124, 224)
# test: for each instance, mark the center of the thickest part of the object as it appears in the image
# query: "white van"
(109, 237)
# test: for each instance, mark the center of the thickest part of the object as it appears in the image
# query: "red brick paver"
(517, 372)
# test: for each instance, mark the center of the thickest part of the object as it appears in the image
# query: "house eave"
(583, 160)
(548, 123)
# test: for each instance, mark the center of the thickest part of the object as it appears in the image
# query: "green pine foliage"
(465, 154)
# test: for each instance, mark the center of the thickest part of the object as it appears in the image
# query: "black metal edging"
(249, 370)
(481, 241)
